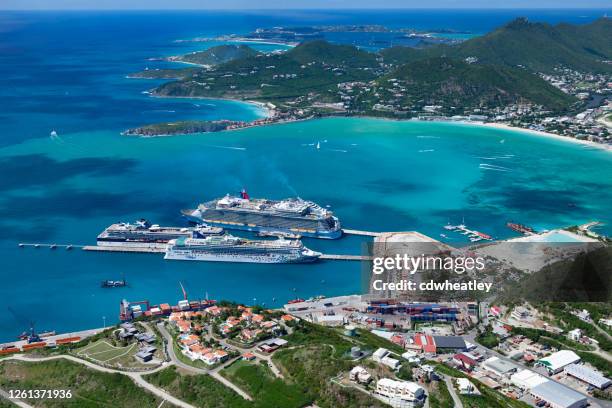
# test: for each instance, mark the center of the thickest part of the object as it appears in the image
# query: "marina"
(473, 235)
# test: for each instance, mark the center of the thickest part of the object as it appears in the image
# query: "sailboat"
(318, 145)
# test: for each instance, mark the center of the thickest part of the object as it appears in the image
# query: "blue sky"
(294, 4)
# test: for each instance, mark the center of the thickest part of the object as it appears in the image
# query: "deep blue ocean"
(66, 71)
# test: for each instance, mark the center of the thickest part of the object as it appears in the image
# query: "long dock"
(346, 257)
(363, 233)
(50, 246)
(141, 250)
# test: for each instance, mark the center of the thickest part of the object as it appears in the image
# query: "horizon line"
(312, 9)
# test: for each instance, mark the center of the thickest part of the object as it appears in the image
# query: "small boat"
(318, 145)
(53, 133)
(113, 284)
(298, 300)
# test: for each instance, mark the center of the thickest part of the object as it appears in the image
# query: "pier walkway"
(346, 257)
(363, 233)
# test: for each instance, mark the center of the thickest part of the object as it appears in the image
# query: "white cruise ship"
(228, 248)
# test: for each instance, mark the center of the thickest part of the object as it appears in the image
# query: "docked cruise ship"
(144, 234)
(290, 216)
(228, 248)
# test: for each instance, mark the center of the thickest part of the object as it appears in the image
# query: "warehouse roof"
(560, 359)
(449, 342)
(498, 365)
(587, 375)
(557, 394)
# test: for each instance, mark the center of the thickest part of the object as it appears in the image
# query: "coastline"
(269, 113)
(540, 133)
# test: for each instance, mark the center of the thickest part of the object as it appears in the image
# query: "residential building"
(401, 393)
(360, 375)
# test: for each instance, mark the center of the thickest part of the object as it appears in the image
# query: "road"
(451, 389)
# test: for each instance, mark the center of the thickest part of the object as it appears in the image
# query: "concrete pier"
(363, 233)
(345, 257)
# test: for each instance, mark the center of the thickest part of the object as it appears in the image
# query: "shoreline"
(262, 106)
(540, 133)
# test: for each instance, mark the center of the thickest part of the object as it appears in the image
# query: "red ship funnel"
(244, 194)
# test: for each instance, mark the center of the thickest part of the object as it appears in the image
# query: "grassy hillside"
(89, 388)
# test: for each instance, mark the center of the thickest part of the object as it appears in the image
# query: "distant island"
(524, 74)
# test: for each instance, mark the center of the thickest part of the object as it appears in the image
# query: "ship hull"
(132, 244)
(270, 258)
(331, 234)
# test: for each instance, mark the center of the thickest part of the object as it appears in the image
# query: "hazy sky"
(294, 4)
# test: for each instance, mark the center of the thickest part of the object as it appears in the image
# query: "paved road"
(451, 389)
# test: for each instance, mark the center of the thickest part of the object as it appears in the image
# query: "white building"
(401, 393)
(391, 362)
(360, 375)
(527, 379)
(574, 335)
(380, 354)
(557, 361)
(465, 386)
(520, 313)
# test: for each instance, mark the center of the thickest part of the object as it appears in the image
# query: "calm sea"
(66, 72)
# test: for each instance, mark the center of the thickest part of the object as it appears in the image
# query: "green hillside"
(312, 67)
(448, 82)
(537, 46)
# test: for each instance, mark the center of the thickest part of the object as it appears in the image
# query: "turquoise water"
(375, 174)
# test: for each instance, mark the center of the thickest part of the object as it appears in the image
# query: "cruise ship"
(289, 216)
(144, 234)
(228, 248)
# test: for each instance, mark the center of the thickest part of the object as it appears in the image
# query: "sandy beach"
(539, 133)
